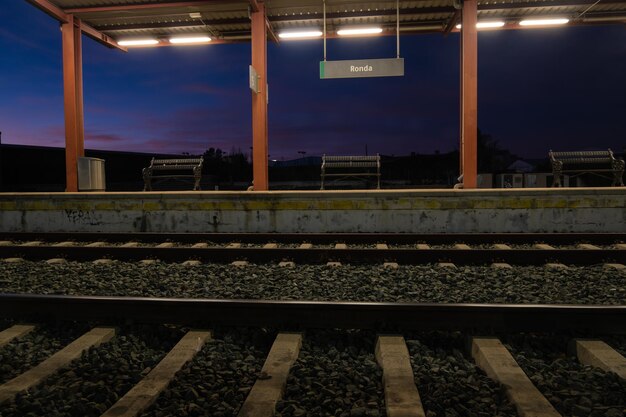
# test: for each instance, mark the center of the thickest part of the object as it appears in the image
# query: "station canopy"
(229, 21)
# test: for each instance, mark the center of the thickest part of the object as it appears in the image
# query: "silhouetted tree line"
(29, 168)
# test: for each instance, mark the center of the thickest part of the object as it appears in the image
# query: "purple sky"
(559, 88)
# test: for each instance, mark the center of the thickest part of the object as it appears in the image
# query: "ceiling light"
(359, 31)
(486, 25)
(138, 42)
(543, 22)
(192, 39)
(300, 35)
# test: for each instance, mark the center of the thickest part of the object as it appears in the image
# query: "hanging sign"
(254, 80)
(362, 68)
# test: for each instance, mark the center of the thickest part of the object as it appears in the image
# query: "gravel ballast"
(424, 283)
(336, 374)
(218, 379)
(99, 378)
(573, 389)
(449, 383)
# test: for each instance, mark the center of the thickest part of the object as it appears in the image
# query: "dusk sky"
(560, 88)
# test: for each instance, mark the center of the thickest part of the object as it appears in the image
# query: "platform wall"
(524, 210)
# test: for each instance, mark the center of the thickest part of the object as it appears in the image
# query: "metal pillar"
(259, 101)
(73, 100)
(469, 94)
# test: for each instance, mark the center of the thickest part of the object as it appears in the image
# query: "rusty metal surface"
(312, 314)
(230, 17)
(319, 255)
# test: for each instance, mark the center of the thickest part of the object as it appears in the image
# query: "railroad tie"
(401, 396)
(621, 246)
(239, 263)
(305, 246)
(556, 265)
(54, 363)
(333, 264)
(270, 386)
(13, 260)
(587, 246)
(543, 246)
(103, 261)
(96, 244)
(142, 395)
(446, 265)
(619, 267)
(501, 265)
(165, 245)
(422, 246)
(14, 332)
(65, 244)
(5, 243)
(501, 246)
(270, 246)
(287, 264)
(191, 262)
(382, 246)
(129, 245)
(462, 246)
(200, 245)
(234, 245)
(54, 261)
(32, 243)
(391, 265)
(599, 354)
(498, 363)
(341, 246)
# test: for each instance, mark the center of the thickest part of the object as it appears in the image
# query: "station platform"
(391, 211)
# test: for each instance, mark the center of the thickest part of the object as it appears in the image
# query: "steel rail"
(317, 314)
(319, 255)
(398, 238)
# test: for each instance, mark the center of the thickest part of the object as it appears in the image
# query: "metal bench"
(164, 169)
(587, 162)
(352, 167)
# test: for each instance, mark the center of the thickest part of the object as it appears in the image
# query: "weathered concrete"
(425, 211)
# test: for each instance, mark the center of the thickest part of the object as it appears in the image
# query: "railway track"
(410, 249)
(303, 366)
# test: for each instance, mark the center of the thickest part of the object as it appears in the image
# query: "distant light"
(486, 25)
(359, 31)
(300, 35)
(543, 22)
(194, 39)
(138, 42)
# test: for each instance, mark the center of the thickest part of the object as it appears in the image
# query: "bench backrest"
(182, 163)
(335, 161)
(583, 157)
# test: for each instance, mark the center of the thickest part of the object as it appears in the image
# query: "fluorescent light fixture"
(486, 25)
(300, 35)
(138, 42)
(359, 31)
(543, 22)
(191, 39)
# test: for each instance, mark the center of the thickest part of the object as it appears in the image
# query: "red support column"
(469, 94)
(73, 100)
(259, 101)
